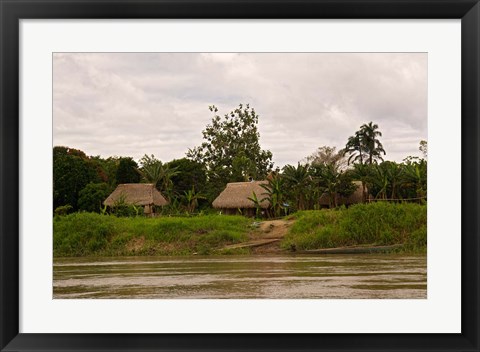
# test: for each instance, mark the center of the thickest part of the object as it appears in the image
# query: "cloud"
(133, 104)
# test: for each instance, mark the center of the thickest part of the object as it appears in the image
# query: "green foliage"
(92, 196)
(364, 146)
(151, 170)
(416, 177)
(154, 171)
(89, 234)
(298, 181)
(423, 148)
(72, 171)
(231, 151)
(191, 198)
(376, 223)
(189, 174)
(106, 169)
(383, 223)
(256, 203)
(332, 181)
(393, 181)
(127, 171)
(122, 209)
(63, 210)
(274, 193)
(79, 234)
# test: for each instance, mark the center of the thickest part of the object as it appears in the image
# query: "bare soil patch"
(266, 238)
(274, 228)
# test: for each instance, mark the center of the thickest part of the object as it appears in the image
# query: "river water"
(259, 276)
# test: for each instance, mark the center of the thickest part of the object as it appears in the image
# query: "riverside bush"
(379, 223)
(91, 234)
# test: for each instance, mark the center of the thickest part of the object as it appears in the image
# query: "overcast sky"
(131, 104)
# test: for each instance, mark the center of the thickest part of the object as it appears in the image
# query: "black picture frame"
(11, 11)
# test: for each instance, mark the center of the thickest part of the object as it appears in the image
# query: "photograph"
(240, 175)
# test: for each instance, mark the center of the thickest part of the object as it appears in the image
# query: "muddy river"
(261, 276)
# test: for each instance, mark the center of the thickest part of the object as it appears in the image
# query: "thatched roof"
(354, 198)
(137, 194)
(236, 195)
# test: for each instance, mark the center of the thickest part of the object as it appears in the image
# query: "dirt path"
(274, 228)
(266, 238)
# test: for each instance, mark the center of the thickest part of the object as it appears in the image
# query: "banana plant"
(256, 203)
(275, 195)
(191, 197)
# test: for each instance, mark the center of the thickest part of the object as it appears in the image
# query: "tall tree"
(355, 148)
(364, 146)
(190, 173)
(106, 169)
(92, 196)
(231, 150)
(369, 135)
(328, 155)
(72, 171)
(127, 171)
(423, 148)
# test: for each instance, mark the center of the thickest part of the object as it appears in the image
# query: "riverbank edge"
(376, 224)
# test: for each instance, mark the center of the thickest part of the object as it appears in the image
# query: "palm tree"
(354, 146)
(365, 145)
(369, 133)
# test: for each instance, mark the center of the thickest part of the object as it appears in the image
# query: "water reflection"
(300, 276)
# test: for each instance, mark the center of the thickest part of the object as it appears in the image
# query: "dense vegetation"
(89, 234)
(376, 224)
(231, 152)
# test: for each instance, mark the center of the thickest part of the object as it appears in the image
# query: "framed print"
(229, 247)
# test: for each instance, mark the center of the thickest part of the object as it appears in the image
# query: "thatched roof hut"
(137, 194)
(354, 198)
(236, 194)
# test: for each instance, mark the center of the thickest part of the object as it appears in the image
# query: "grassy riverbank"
(89, 234)
(375, 223)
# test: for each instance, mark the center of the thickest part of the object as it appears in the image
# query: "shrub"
(377, 223)
(63, 210)
(92, 196)
(89, 234)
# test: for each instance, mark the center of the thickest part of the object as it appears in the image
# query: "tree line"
(231, 152)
